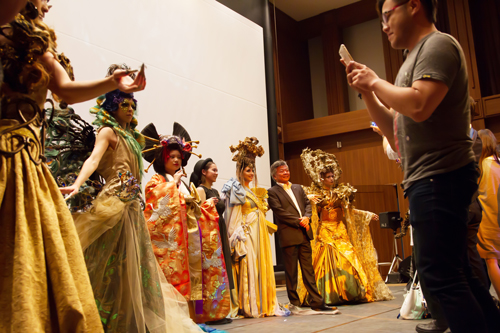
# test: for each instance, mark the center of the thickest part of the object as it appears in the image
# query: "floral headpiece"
(247, 150)
(179, 140)
(317, 162)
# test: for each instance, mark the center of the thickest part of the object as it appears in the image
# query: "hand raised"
(178, 175)
(377, 130)
(127, 84)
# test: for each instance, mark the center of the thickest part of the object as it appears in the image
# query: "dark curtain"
(485, 17)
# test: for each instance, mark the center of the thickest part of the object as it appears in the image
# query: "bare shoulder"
(48, 61)
(106, 132)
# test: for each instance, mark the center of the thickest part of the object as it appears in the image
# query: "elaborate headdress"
(158, 147)
(318, 162)
(244, 155)
(246, 151)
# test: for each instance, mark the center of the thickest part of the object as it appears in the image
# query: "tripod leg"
(390, 269)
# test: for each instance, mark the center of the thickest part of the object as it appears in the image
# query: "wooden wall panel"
(461, 29)
(329, 125)
(293, 89)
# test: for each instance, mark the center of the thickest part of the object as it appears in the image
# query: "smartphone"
(345, 55)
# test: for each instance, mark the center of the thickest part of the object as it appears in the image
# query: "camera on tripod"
(390, 220)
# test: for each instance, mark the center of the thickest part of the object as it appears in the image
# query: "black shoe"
(324, 308)
(222, 321)
(432, 327)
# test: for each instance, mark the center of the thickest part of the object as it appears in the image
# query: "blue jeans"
(439, 216)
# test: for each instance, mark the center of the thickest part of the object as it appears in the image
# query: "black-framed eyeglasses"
(387, 13)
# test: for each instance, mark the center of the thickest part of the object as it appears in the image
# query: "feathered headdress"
(318, 162)
(158, 147)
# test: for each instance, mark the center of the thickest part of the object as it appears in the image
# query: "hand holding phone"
(345, 55)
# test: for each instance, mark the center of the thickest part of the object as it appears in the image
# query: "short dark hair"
(430, 7)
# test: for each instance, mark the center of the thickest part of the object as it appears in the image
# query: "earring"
(30, 10)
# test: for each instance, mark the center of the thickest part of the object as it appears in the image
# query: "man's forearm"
(380, 115)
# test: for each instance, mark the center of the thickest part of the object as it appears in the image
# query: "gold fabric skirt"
(44, 285)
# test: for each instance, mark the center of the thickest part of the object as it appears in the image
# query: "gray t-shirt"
(441, 143)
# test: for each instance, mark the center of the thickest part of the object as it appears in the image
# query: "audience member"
(489, 229)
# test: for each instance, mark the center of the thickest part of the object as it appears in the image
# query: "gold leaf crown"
(247, 150)
(318, 162)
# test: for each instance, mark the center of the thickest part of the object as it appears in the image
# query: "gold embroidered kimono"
(249, 233)
(216, 299)
(165, 216)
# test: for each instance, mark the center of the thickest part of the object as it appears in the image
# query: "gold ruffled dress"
(44, 285)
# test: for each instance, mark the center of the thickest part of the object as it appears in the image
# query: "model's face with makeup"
(248, 174)
(174, 162)
(329, 179)
(125, 111)
(43, 7)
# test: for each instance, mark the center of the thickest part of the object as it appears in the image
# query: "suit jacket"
(287, 216)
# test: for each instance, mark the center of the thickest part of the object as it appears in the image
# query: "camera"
(390, 220)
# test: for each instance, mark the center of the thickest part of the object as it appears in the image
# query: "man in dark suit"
(292, 212)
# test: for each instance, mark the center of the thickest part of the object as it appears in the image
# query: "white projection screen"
(205, 68)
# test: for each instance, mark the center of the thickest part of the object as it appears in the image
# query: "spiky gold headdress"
(318, 162)
(246, 151)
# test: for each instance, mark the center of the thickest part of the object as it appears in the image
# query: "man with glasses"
(427, 124)
(292, 212)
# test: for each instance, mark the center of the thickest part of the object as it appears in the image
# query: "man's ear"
(415, 6)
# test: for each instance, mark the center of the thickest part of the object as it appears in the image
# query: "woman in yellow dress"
(344, 258)
(248, 232)
(44, 285)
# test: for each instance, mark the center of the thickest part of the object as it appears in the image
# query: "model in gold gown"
(44, 285)
(344, 258)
